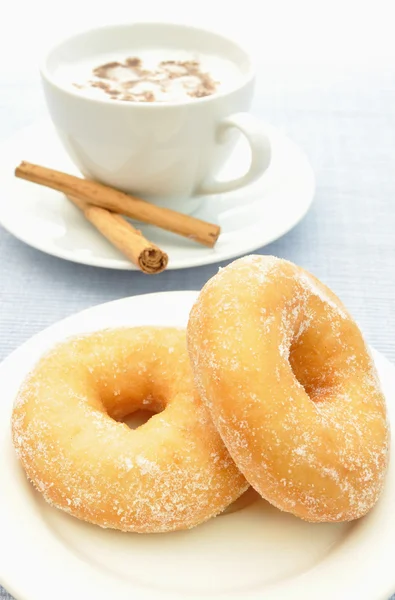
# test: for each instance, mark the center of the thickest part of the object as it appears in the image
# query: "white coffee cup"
(166, 152)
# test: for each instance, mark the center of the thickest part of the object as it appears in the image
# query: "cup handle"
(260, 153)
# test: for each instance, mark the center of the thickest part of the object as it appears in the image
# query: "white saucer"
(255, 553)
(249, 218)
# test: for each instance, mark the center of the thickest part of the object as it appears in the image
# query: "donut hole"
(122, 406)
(310, 368)
(135, 412)
(300, 370)
(137, 418)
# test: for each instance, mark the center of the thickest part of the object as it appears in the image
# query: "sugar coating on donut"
(310, 435)
(171, 473)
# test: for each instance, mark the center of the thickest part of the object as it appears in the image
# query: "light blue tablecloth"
(345, 120)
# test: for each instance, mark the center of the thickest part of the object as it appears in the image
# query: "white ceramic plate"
(256, 553)
(249, 218)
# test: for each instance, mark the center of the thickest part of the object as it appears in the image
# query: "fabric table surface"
(343, 119)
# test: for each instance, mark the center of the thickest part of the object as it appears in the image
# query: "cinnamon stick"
(103, 196)
(145, 255)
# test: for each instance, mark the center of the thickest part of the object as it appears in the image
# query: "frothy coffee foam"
(152, 76)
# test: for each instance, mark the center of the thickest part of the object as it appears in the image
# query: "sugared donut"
(171, 473)
(291, 387)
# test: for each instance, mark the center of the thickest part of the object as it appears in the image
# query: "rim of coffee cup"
(46, 74)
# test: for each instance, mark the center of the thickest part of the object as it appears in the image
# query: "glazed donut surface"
(291, 387)
(171, 473)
